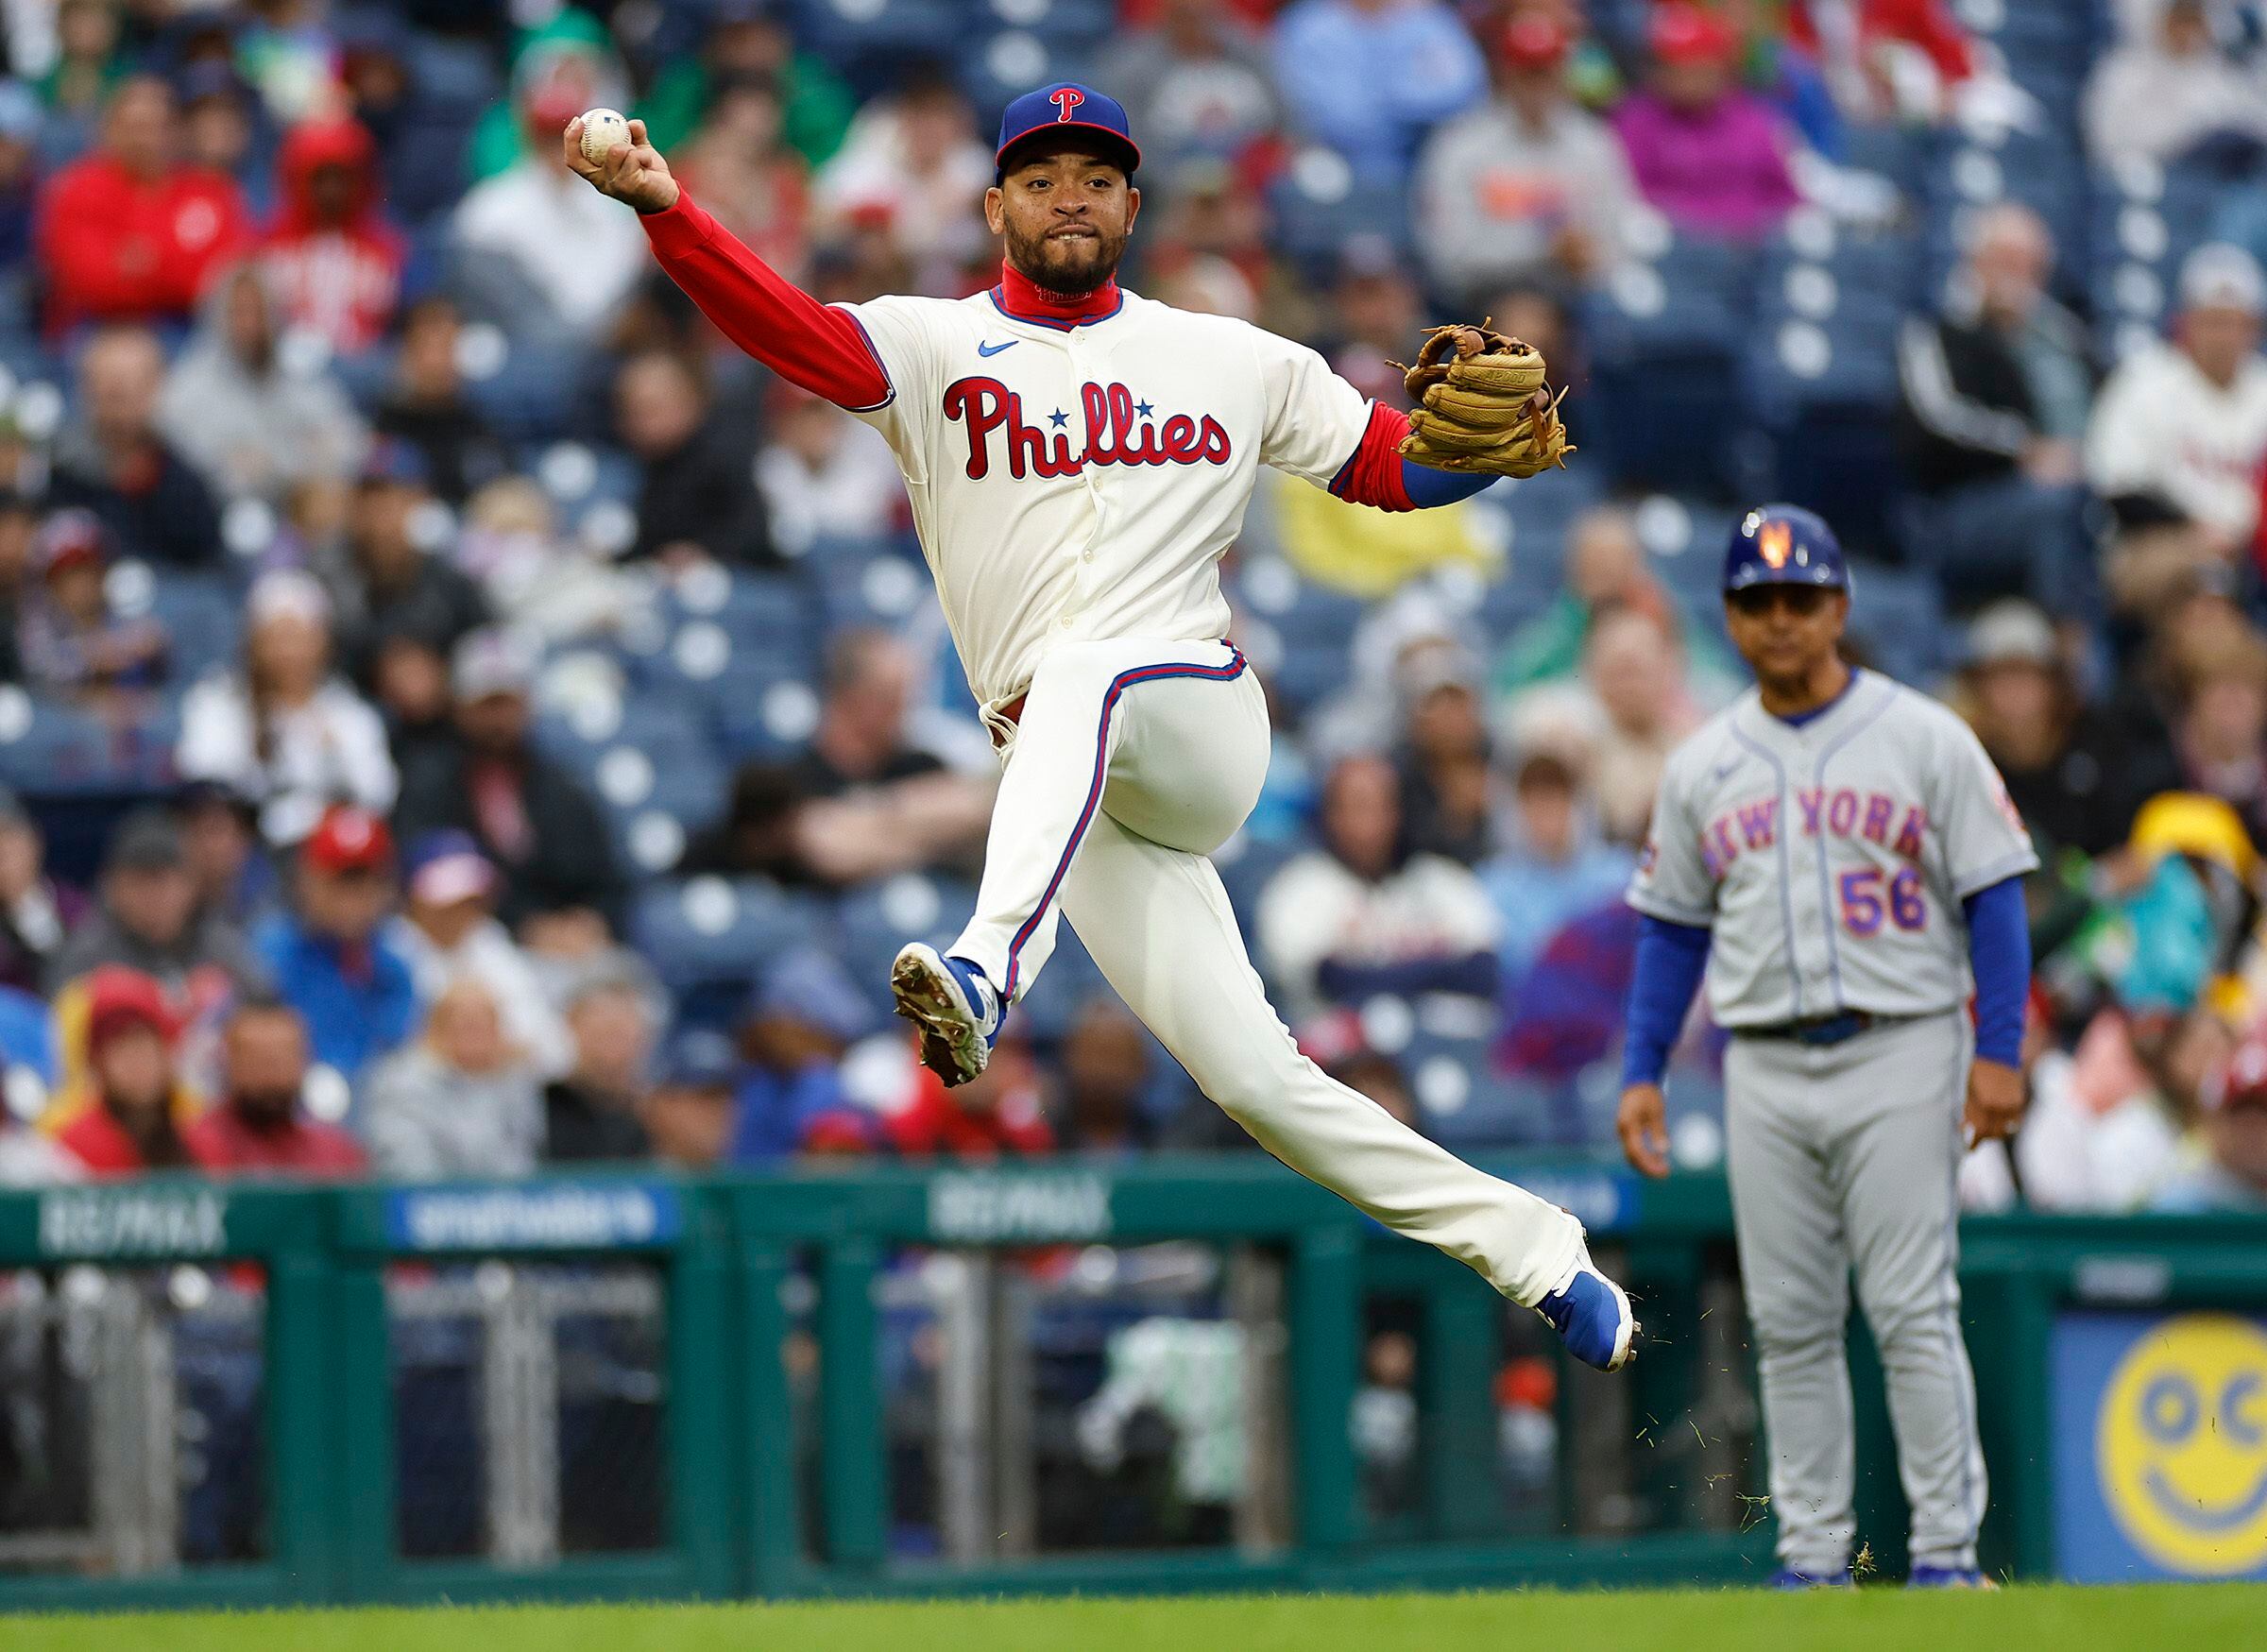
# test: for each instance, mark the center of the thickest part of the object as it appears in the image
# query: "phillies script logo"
(1116, 428)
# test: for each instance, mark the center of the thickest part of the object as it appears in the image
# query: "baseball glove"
(1482, 404)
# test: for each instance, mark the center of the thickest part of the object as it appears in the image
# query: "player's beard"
(1069, 268)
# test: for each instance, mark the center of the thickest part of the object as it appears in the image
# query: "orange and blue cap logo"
(1775, 542)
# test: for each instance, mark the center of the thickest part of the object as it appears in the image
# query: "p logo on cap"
(1065, 98)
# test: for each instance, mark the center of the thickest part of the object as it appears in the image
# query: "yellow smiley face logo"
(2181, 1445)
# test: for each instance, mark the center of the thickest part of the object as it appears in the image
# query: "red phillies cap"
(1534, 40)
(1682, 32)
(347, 838)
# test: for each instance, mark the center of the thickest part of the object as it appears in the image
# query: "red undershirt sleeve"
(1373, 474)
(812, 345)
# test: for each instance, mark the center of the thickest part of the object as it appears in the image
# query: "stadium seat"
(714, 931)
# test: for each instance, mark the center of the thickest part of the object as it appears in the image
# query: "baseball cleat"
(956, 1011)
(1591, 1316)
(1788, 1577)
(1947, 1577)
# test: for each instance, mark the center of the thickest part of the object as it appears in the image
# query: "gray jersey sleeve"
(1672, 882)
(1984, 837)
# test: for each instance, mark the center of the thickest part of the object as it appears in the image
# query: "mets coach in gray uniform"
(1837, 852)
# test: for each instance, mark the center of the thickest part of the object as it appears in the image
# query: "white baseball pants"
(1132, 761)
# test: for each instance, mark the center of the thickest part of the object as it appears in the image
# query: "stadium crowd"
(461, 718)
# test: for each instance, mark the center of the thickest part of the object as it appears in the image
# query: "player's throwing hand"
(1642, 1124)
(1995, 1100)
(632, 172)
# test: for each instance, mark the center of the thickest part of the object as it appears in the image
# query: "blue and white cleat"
(1591, 1316)
(1947, 1577)
(1787, 1577)
(954, 1007)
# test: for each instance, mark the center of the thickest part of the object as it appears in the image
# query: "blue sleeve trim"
(1999, 953)
(1671, 959)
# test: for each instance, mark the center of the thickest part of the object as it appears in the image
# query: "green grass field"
(1685, 1621)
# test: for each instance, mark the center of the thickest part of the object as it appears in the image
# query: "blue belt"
(1818, 1029)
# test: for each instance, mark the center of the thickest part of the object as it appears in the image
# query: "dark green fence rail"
(753, 1507)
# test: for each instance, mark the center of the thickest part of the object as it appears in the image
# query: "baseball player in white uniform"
(1078, 457)
(1840, 856)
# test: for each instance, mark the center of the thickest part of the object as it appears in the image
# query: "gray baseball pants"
(1842, 1159)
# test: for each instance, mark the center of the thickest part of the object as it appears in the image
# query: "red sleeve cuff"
(1372, 474)
(679, 227)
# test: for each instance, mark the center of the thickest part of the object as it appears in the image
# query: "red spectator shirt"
(99, 1141)
(339, 279)
(223, 1139)
(932, 1125)
(116, 247)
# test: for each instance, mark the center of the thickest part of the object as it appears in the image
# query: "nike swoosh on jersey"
(993, 350)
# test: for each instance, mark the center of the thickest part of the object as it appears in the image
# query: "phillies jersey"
(1829, 857)
(1081, 480)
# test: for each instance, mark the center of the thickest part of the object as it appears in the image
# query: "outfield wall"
(1180, 1374)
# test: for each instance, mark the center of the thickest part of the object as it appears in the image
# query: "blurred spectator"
(256, 415)
(1885, 60)
(872, 802)
(549, 257)
(129, 1115)
(448, 928)
(1633, 706)
(2180, 433)
(261, 1123)
(562, 62)
(457, 1102)
(216, 130)
(1996, 393)
(88, 62)
(2221, 735)
(115, 463)
(32, 1158)
(1554, 865)
(999, 1114)
(1375, 313)
(912, 164)
(132, 232)
(750, 40)
(1369, 78)
(388, 583)
(1194, 81)
(1606, 569)
(426, 405)
(1530, 187)
(331, 959)
(220, 836)
(2224, 1166)
(2160, 96)
(1710, 156)
(71, 638)
(334, 260)
(545, 586)
(1447, 787)
(280, 730)
(1096, 1107)
(762, 832)
(689, 1113)
(147, 919)
(591, 1111)
(697, 495)
(824, 473)
(2076, 779)
(419, 145)
(799, 1027)
(1360, 916)
(737, 167)
(530, 817)
(37, 913)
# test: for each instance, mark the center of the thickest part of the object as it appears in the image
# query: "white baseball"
(604, 131)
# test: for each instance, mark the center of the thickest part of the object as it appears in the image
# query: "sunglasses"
(1756, 601)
